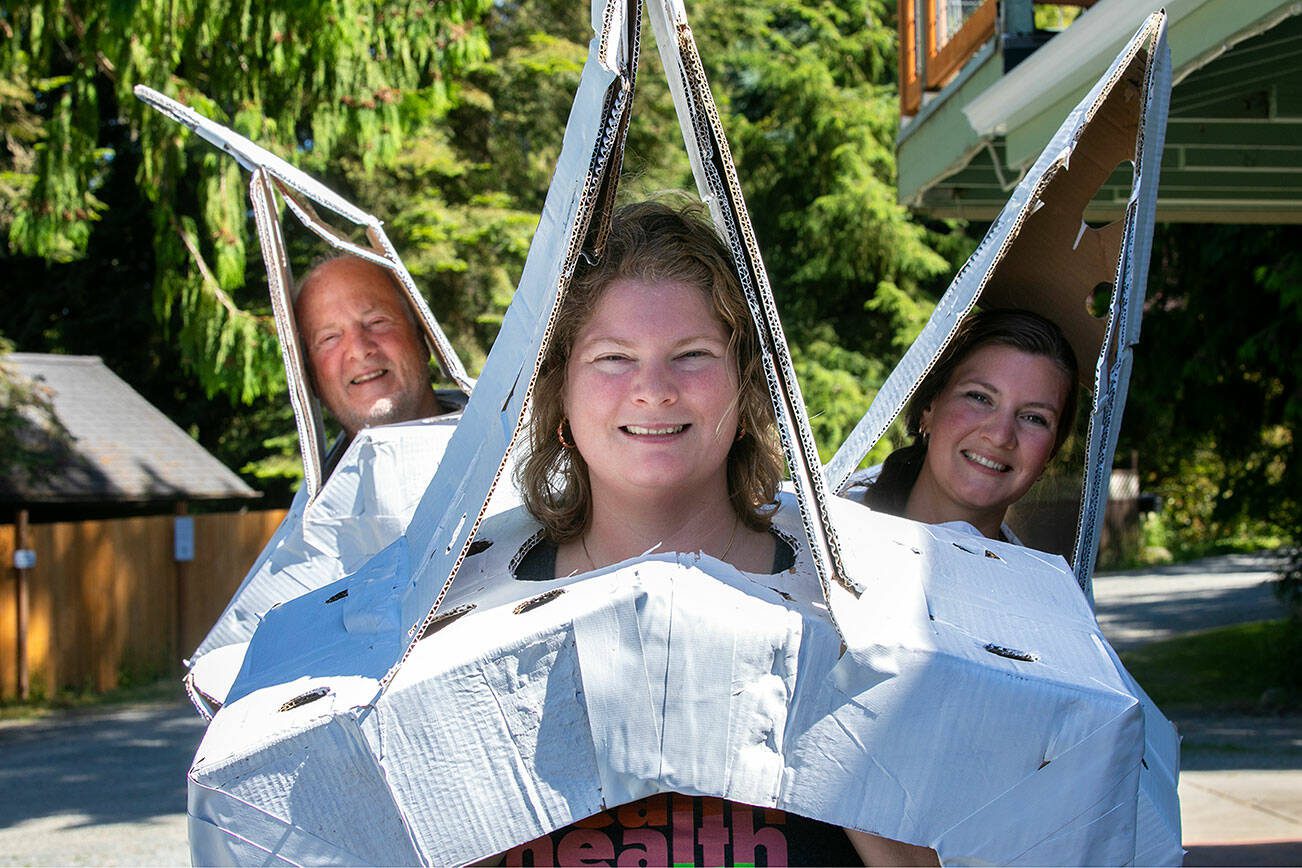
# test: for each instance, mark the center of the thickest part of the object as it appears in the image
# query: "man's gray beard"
(388, 410)
(382, 412)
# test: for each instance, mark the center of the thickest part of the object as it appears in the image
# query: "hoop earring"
(741, 432)
(560, 434)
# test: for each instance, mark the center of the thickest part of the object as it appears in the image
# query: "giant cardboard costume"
(905, 680)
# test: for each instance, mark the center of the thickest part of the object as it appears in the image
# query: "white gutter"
(1068, 63)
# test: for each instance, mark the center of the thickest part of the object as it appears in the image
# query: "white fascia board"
(940, 141)
(1035, 92)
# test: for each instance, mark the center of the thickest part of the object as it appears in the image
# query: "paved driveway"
(101, 788)
(1140, 606)
(108, 788)
(1241, 776)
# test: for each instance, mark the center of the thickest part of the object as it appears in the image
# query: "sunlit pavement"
(1241, 776)
(98, 788)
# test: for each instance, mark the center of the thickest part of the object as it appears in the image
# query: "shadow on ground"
(1239, 742)
(1135, 620)
(123, 765)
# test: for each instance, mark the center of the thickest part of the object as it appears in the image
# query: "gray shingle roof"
(125, 449)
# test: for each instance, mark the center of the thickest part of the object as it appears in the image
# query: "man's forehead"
(348, 271)
(348, 285)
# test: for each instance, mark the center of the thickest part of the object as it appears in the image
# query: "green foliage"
(1225, 669)
(135, 686)
(318, 82)
(1216, 398)
(446, 121)
(836, 381)
(1055, 17)
(810, 102)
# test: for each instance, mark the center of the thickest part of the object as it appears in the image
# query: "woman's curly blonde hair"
(651, 241)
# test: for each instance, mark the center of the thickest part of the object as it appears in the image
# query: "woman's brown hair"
(653, 242)
(1019, 329)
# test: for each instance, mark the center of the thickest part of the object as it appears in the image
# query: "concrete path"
(1241, 776)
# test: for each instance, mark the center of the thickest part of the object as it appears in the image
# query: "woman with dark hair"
(985, 422)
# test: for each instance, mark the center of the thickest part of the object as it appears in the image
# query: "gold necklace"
(736, 521)
(583, 540)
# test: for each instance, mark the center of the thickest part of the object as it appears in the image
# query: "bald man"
(368, 362)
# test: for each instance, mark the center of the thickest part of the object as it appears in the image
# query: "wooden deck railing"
(929, 58)
(934, 49)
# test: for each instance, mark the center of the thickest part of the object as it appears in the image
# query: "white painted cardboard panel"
(503, 725)
(365, 504)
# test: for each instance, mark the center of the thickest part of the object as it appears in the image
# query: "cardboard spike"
(299, 191)
(1040, 255)
(290, 565)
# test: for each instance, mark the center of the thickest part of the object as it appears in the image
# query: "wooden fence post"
(21, 543)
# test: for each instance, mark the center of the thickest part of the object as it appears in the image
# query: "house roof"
(1234, 132)
(122, 448)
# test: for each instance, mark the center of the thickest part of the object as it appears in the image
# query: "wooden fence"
(103, 596)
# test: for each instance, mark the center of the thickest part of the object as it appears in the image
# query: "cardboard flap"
(719, 187)
(1041, 255)
(1057, 263)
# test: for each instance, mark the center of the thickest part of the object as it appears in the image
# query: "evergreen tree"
(317, 82)
(1216, 400)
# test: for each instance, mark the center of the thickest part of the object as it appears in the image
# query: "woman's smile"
(991, 432)
(654, 430)
(983, 461)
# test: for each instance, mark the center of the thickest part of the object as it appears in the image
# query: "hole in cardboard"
(304, 698)
(479, 545)
(334, 598)
(535, 602)
(1012, 653)
(968, 549)
(1100, 300)
(444, 619)
(992, 555)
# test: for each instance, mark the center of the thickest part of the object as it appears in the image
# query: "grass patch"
(1246, 667)
(164, 689)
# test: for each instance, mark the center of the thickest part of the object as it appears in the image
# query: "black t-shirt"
(672, 829)
(539, 563)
